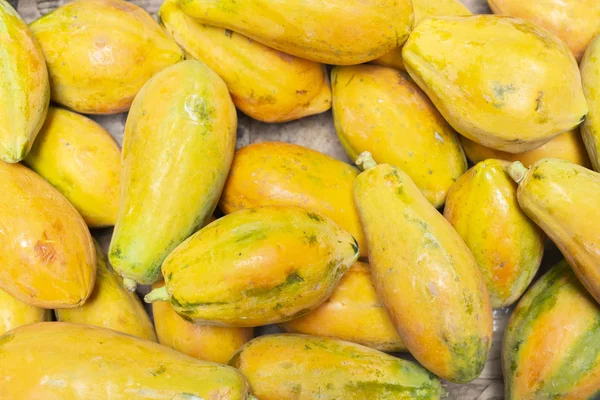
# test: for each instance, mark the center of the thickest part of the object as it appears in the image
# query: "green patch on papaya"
(354, 246)
(292, 279)
(538, 176)
(7, 337)
(300, 313)
(310, 238)
(188, 308)
(251, 236)
(469, 358)
(315, 216)
(158, 371)
(388, 390)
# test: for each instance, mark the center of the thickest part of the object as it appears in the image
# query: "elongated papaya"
(81, 160)
(551, 346)
(424, 274)
(563, 199)
(25, 88)
(276, 173)
(382, 111)
(101, 52)
(590, 78)
(353, 305)
(497, 104)
(482, 206)
(264, 83)
(184, 121)
(111, 305)
(302, 367)
(77, 362)
(341, 32)
(567, 146)
(46, 251)
(15, 313)
(257, 266)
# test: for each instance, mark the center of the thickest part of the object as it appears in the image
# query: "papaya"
(264, 83)
(46, 251)
(81, 160)
(14, 313)
(184, 121)
(497, 105)
(573, 21)
(256, 266)
(482, 206)
(352, 306)
(423, 9)
(424, 274)
(590, 77)
(339, 32)
(382, 111)
(101, 52)
(76, 362)
(302, 367)
(563, 199)
(280, 174)
(25, 89)
(551, 347)
(111, 305)
(567, 146)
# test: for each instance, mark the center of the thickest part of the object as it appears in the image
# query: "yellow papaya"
(25, 88)
(183, 120)
(77, 362)
(111, 305)
(567, 146)
(264, 83)
(495, 104)
(590, 77)
(341, 32)
(551, 346)
(46, 251)
(423, 9)
(101, 52)
(15, 313)
(482, 206)
(280, 174)
(563, 199)
(573, 21)
(424, 274)
(353, 305)
(255, 267)
(382, 111)
(302, 367)
(81, 160)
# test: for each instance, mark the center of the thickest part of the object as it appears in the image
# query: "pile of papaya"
(474, 148)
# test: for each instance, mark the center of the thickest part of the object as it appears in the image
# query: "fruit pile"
(409, 251)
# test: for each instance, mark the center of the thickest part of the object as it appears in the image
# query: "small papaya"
(590, 77)
(256, 266)
(15, 313)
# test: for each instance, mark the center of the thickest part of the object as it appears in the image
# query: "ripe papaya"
(15, 313)
(184, 121)
(101, 52)
(46, 251)
(382, 111)
(424, 274)
(497, 104)
(590, 77)
(257, 266)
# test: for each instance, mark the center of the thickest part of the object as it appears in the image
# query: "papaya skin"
(590, 77)
(566, 146)
(276, 173)
(497, 105)
(382, 111)
(46, 251)
(111, 305)
(25, 89)
(302, 367)
(424, 274)
(184, 121)
(301, 87)
(101, 52)
(353, 300)
(255, 267)
(76, 362)
(482, 206)
(15, 313)
(343, 33)
(551, 346)
(81, 160)
(562, 199)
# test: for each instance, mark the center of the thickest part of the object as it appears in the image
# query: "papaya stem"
(129, 284)
(365, 161)
(517, 171)
(158, 294)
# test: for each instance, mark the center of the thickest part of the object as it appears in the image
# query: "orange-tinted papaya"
(15, 313)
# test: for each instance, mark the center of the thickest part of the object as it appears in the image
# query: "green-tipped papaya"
(590, 77)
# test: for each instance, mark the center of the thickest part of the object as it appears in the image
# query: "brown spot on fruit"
(45, 251)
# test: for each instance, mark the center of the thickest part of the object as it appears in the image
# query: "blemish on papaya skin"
(228, 33)
(538, 176)
(7, 337)
(350, 80)
(45, 251)
(301, 92)
(539, 101)
(354, 246)
(315, 217)
(158, 371)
